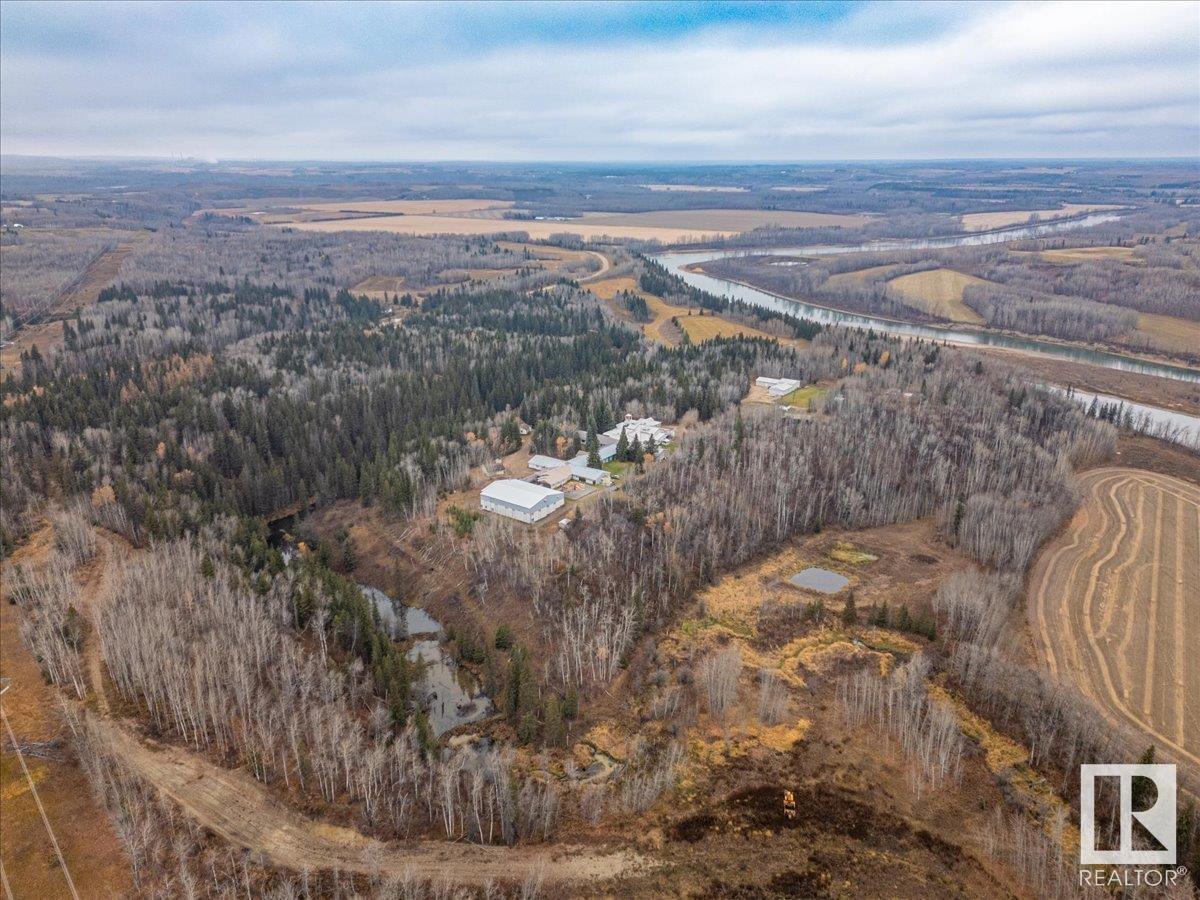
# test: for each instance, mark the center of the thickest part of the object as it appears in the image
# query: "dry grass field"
(858, 275)
(939, 292)
(698, 328)
(1088, 254)
(89, 844)
(987, 220)
(1113, 604)
(482, 216)
(537, 230)
(732, 220)
(702, 328)
(1169, 333)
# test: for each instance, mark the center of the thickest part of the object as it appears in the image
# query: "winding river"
(677, 263)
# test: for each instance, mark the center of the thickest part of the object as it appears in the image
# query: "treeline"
(655, 279)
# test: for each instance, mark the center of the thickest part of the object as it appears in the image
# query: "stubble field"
(1115, 604)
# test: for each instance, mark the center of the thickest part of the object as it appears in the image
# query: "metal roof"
(585, 471)
(538, 461)
(518, 493)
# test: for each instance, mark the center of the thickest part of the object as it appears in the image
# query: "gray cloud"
(393, 82)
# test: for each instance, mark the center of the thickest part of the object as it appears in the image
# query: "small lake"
(821, 580)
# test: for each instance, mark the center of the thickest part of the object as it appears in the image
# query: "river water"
(676, 262)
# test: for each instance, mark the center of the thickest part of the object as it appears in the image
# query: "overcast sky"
(609, 81)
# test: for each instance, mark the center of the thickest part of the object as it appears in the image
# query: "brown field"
(473, 216)
(1112, 604)
(939, 292)
(89, 844)
(1087, 254)
(1169, 333)
(987, 220)
(702, 328)
(698, 327)
(735, 220)
(858, 275)
(537, 230)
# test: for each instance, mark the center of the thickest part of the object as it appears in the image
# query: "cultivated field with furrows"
(1114, 604)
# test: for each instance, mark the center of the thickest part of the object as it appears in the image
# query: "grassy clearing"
(848, 553)
(803, 397)
(858, 275)
(1087, 254)
(1169, 333)
(939, 292)
(703, 328)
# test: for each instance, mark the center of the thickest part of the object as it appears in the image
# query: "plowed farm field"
(1115, 605)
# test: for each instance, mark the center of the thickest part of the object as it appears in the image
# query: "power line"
(41, 809)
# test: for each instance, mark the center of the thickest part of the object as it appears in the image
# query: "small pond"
(449, 695)
(821, 580)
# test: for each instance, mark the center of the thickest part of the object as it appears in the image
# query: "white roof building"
(778, 387)
(642, 429)
(540, 462)
(520, 500)
(581, 470)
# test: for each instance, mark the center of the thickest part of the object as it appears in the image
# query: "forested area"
(38, 265)
(988, 456)
(224, 249)
(231, 375)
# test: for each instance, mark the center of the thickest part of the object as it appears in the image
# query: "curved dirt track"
(239, 809)
(1115, 604)
(233, 805)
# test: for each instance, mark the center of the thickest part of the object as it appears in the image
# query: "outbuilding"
(585, 473)
(520, 500)
(555, 478)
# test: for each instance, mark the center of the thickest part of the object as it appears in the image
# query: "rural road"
(605, 265)
(1114, 604)
(234, 805)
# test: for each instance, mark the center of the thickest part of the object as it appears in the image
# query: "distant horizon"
(648, 163)
(719, 82)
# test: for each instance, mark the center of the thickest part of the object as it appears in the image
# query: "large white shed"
(520, 500)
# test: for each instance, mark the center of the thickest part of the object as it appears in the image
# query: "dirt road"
(82, 291)
(1114, 604)
(605, 265)
(241, 810)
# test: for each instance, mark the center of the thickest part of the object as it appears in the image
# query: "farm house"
(520, 500)
(642, 429)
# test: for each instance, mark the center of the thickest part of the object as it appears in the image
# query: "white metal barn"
(520, 500)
